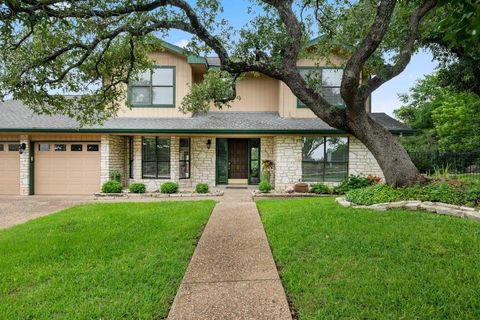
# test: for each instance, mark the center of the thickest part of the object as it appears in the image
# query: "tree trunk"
(392, 158)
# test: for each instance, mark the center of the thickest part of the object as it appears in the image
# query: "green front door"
(222, 161)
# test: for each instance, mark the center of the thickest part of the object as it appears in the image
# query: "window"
(1, 147)
(184, 158)
(43, 147)
(155, 158)
(324, 159)
(14, 147)
(76, 147)
(92, 147)
(328, 82)
(154, 88)
(254, 165)
(60, 147)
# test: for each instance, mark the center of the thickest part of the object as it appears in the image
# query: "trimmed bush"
(112, 186)
(375, 194)
(351, 183)
(201, 188)
(137, 187)
(264, 186)
(320, 188)
(169, 187)
(266, 175)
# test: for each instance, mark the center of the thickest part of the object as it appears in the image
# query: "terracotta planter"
(301, 187)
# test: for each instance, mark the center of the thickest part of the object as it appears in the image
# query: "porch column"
(25, 166)
(175, 159)
(137, 157)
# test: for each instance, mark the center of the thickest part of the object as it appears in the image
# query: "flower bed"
(181, 194)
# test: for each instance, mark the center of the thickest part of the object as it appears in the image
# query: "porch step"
(236, 187)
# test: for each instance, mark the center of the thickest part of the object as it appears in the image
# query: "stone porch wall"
(361, 160)
(287, 153)
(113, 155)
(25, 166)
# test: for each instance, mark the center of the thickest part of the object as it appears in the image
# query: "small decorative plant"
(320, 188)
(264, 186)
(201, 188)
(112, 186)
(137, 187)
(115, 175)
(169, 187)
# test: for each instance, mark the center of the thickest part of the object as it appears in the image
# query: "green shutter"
(222, 161)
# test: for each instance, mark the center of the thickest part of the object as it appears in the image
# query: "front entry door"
(238, 158)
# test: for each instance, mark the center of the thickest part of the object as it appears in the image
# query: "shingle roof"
(15, 116)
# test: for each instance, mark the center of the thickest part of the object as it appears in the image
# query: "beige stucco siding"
(183, 81)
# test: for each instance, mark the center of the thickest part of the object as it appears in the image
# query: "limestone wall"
(361, 160)
(287, 152)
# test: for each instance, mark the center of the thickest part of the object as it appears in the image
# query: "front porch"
(223, 160)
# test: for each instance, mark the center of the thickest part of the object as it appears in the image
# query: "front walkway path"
(232, 274)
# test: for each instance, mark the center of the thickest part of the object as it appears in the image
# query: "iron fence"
(455, 163)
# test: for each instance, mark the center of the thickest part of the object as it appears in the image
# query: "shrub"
(201, 188)
(374, 194)
(320, 188)
(265, 176)
(137, 187)
(351, 183)
(115, 175)
(264, 186)
(112, 186)
(169, 187)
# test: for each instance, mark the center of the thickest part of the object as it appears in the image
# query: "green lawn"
(100, 261)
(340, 262)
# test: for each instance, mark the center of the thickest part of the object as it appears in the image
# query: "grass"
(340, 262)
(100, 261)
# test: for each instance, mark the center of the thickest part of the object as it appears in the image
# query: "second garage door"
(67, 167)
(9, 168)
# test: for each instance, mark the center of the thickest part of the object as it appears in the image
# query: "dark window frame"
(151, 86)
(157, 161)
(185, 161)
(95, 149)
(130, 157)
(323, 163)
(2, 147)
(76, 145)
(13, 147)
(44, 144)
(300, 104)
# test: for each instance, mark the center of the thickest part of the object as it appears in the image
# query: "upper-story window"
(329, 81)
(154, 88)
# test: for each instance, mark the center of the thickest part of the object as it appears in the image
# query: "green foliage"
(112, 186)
(451, 191)
(337, 262)
(266, 176)
(169, 187)
(137, 187)
(352, 182)
(264, 186)
(132, 255)
(441, 172)
(320, 188)
(201, 188)
(215, 88)
(116, 175)
(447, 120)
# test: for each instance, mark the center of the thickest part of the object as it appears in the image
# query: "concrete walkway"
(232, 274)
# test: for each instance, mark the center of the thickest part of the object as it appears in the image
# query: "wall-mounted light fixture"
(22, 148)
(209, 143)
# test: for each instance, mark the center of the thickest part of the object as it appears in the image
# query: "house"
(154, 142)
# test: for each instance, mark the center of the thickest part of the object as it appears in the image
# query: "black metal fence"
(461, 163)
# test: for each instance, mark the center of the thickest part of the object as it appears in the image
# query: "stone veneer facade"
(284, 151)
(25, 166)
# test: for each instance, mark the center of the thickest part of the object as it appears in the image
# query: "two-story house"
(154, 142)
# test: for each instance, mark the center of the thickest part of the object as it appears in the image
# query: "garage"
(9, 168)
(67, 167)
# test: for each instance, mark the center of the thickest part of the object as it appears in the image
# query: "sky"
(384, 99)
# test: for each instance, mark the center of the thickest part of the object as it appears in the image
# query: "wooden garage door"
(9, 168)
(67, 167)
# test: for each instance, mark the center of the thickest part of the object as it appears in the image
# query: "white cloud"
(182, 43)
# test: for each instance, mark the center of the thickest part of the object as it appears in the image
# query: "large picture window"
(154, 88)
(324, 159)
(328, 82)
(155, 158)
(184, 158)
